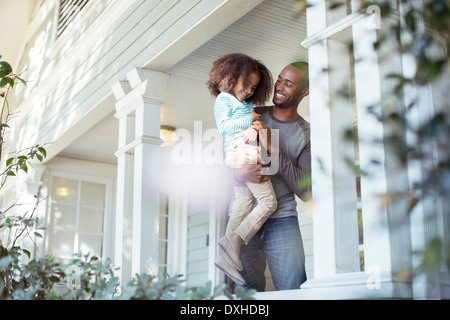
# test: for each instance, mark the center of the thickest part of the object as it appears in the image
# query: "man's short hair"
(303, 66)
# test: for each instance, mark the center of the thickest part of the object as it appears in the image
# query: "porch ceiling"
(14, 22)
(270, 32)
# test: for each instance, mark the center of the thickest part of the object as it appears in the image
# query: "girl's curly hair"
(227, 69)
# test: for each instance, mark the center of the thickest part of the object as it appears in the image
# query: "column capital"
(141, 86)
(121, 89)
(153, 79)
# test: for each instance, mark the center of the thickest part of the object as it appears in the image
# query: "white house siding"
(71, 75)
(270, 33)
(69, 95)
(198, 241)
(70, 79)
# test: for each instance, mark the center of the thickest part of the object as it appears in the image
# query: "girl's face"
(242, 92)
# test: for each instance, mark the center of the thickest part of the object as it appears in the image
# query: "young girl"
(239, 82)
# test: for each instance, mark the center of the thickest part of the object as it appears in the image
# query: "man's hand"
(250, 173)
(255, 116)
(265, 137)
(250, 135)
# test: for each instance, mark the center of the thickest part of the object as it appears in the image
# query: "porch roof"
(14, 24)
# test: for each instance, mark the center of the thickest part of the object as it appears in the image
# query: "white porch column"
(386, 221)
(430, 218)
(335, 219)
(386, 229)
(137, 218)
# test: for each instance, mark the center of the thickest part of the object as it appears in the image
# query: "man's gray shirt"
(294, 161)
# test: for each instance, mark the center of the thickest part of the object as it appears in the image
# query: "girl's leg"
(267, 204)
(231, 242)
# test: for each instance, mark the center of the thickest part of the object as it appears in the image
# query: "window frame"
(108, 219)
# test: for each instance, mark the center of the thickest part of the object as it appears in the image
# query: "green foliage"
(420, 32)
(7, 78)
(5, 69)
(85, 277)
(164, 287)
(21, 161)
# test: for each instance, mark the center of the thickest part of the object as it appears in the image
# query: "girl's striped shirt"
(232, 118)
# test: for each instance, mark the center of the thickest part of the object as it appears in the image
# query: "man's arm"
(297, 176)
(249, 173)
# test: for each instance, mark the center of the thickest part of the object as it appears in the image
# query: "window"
(357, 164)
(163, 232)
(68, 11)
(76, 217)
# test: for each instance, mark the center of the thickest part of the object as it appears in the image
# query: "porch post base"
(345, 286)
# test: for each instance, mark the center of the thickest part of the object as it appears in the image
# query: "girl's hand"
(264, 135)
(250, 135)
(255, 116)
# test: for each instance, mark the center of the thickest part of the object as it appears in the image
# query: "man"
(279, 242)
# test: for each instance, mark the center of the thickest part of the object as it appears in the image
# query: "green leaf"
(24, 167)
(432, 255)
(5, 81)
(9, 161)
(5, 68)
(4, 262)
(37, 235)
(27, 253)
(40, 222)
(21, 80)
(305, 182)
(43, 151)
(410, 20)
(220, 289)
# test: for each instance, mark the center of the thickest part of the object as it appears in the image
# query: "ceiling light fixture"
(168, 135)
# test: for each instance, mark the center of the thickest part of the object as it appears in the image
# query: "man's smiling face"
(288, 90)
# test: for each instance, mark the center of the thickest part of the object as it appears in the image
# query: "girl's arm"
(222, 111)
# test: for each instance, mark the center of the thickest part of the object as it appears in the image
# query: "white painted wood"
(322, 188)
(116, 36)
(430, 217)
(89, 67)
(336, 248)
(353, 286)
(210, 24)
(139, 109)
(178, 230)
(343, 153)
(14, 27)
(368, 92)
(87, 171)
(197, 246)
